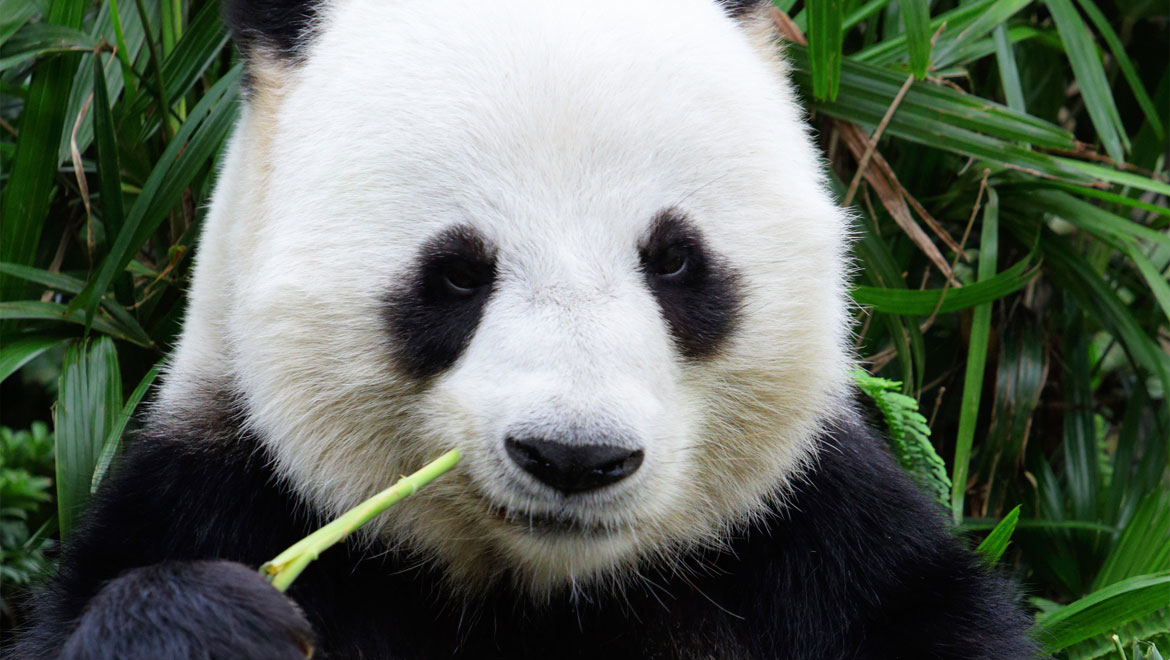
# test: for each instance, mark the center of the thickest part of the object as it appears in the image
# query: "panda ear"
(741, 8)
(281, 28)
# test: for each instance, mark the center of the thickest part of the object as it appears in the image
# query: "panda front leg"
(197, 609)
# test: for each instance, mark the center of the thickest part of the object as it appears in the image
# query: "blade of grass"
(90, 395)
(1070, 271)
(976, 356)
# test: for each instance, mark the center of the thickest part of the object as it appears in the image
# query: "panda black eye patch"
(697, 291)
(434, 312)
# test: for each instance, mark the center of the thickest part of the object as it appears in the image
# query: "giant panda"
(590, 246)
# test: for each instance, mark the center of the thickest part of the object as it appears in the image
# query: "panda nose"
(573, 468)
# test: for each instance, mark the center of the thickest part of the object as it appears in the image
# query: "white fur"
(558, 130)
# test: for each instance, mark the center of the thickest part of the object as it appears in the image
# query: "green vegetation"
(1006, 160)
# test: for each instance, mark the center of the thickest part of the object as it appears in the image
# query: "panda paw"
(217, 610)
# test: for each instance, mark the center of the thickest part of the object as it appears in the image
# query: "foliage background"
(1006, 160)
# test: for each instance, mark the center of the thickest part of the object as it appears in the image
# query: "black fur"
(281, 26)
(739, 8)
(433, 317)
(700, 301)
(861, 566)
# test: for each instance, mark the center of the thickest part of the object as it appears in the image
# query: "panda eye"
(463, 278)
(671, 263)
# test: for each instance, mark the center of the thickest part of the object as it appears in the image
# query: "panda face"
(587, 245)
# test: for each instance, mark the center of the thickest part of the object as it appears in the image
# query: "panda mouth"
(560, 524)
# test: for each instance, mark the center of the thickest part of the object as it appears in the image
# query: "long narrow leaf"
(90, 397)
(1103, 610)
(113, 441)
(825, 40)
(30, 180)
(1090, 73)
(976, 357)
(916, 18)
(187, 153)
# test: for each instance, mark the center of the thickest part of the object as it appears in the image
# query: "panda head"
(587, 244)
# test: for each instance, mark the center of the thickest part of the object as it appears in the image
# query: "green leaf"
(196, 50)
(188, 153)
(109, 171)
(1102, 611)
(90, 395)
(83, 80)
(1009, 72)
(34, 165)
(40, 39)
(1126, 65)
(1144, 546)
(960, 33)
(20, 351)
(909, 435)
(976, 356)
(925, 302)
(48, 311)
(993, 547)
(127, 325)
(928, 110)
(114, 440)
(1090, 74)
(1075, 276)
(916, 18)
(825, 40)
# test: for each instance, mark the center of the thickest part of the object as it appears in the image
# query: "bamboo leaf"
(191, 149)
(1103, 610)
(996, 543)
(30, 180)
(1009, 73)
(20, 351)
(1144, 545)
(133, 37)
(1090, 73)
(1125, 64)
(113, 440)
(925, 302)
(825, 40)
(976, 356)
(109, 172)
(916, 18)
(47, 311)
(40, 39)
(90, 395)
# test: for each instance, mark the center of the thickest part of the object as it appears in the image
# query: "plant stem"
(286, 566)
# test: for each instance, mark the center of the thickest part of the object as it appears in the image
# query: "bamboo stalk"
(285, 567)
